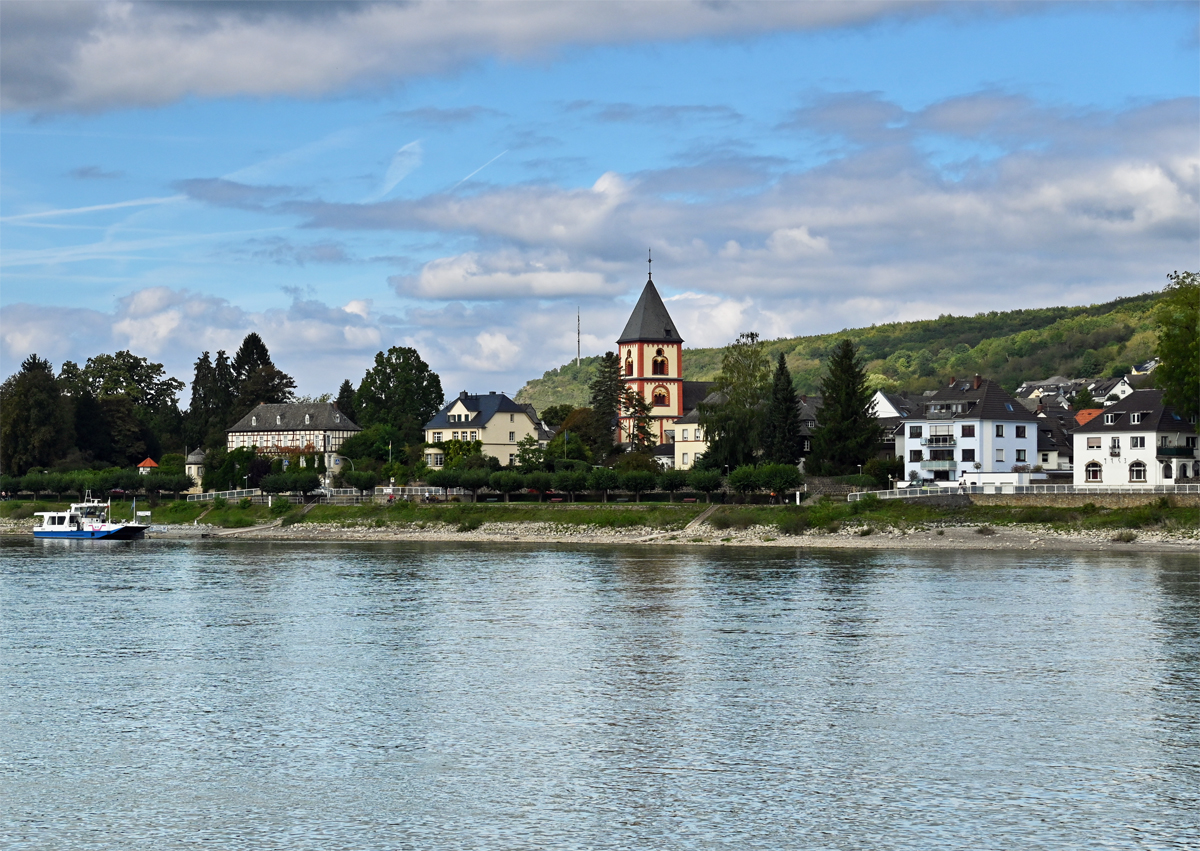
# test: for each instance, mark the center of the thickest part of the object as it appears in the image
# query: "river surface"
(239, 695)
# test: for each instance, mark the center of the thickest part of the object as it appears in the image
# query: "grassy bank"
(819, 516)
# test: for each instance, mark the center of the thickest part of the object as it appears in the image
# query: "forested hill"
(1009, 347)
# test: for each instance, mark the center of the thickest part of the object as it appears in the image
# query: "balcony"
(1114, 451)
(1176, 451)
(939, 440)
(939, 465)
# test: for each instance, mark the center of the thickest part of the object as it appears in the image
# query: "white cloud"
(89, 56)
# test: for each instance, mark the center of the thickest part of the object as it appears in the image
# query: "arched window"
(254, 421)
(662, 397)
(278, 420)
(1166, 471)
(658, 366)
(1183, 473)
(1195, 469)
(1092, 472)
(628, 364)
(1137, 472)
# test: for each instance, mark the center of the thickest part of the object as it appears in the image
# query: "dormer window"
(254, 421)
(337, 418)
(278, 420)
(1109, 419)
(1135, 418)
(307, 419)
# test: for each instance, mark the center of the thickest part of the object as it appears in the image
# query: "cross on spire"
(649, 267)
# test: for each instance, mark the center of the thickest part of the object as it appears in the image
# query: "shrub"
(720, 521)
(280, 507)
(21, 512)
(865, 503)
(244, 503)
(220, 502)
(1125, 536)
(469, 523)
(833, 528)
(792, 524)
(985, 530)
(865, 531)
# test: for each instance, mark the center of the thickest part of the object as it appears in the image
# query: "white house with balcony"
(1136, 442)
(971, 431)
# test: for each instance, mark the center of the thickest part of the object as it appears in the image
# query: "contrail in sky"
(476, 171)
(140, 202)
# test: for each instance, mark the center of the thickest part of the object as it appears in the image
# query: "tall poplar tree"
(847, 433)
(782, 440)
(1178, 315)
(607, 388)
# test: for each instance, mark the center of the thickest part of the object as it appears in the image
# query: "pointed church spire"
(649, 266)
(650, 321)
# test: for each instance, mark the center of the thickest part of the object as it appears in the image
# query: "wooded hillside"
(1008, 347)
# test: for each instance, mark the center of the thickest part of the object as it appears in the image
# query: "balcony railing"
(939, 440)
(1177, 451)
(1114, 451)
(939, 465)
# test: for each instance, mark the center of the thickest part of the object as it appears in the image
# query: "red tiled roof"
(1087, 415)
(149, 462)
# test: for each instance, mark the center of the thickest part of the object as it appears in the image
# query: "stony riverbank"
(1029, 537)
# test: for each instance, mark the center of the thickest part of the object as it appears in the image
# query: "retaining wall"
(1127, 499)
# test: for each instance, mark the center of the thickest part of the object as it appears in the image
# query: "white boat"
(87, 520)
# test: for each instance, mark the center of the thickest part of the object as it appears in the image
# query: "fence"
(208, 497)
(418, 493)
(917, 493)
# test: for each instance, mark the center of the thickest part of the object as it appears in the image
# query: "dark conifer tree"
(607, 389)
(781, 430)
(345, 400)
(847, 433)
(37, 422)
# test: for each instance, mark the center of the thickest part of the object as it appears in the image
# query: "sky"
(464, 178)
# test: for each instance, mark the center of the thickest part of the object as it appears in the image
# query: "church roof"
(650, 321)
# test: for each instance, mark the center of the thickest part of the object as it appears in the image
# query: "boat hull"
(129, 532)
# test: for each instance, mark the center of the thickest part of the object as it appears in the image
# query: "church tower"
(651, 353)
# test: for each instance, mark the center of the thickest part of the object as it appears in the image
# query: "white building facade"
(1137, 442)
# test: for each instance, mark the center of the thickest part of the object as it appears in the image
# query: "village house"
(295, 428)
(492, 418)
(1136, 442)
(969, 429)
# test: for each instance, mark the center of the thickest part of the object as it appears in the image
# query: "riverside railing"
(917, 493)
(208, 497)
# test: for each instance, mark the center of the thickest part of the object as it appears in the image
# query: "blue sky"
(462, 177)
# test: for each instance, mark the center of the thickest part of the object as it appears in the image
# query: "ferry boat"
(87, 520)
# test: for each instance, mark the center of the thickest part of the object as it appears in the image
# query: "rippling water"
(368, 696)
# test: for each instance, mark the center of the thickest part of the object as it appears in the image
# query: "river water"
(229, 695)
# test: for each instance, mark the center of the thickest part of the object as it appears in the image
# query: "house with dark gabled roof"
(492, 418)
(1136, 442)
(968, 429)
(294, 428)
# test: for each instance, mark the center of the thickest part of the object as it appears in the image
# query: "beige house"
(492, 418)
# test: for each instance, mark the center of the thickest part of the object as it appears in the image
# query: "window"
(941, 454)
(1164, 441)
(914, 456)
(658, 366)
(1045, 457)
(254, 421)
(512, 418)
(999, 456)
(1021, 456)
(437, 437)
(1166, 471)
(1109, 419)
(697, 435)
(1116, 443)
(512, 459)
(307, 419)
(474, 435)
(1093, 443)
(1137, 443)
(1135, 418)
(968, 454)
(999, 430)
(337, 418)
(628, 365)
(685, 432)
(1091, 472)
(1137, 472)
(1191, 443)
(685, 461)
(806, 446)
(1020, 431)
(512, 437)
(662, 397)
(915, 431)
(968, 431)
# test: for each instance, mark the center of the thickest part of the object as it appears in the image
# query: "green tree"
(474, 479)
(555, 414)
(376, 442)
(1084, 399)
(257, 380)
(345, 400)
(570, 482)
(847, 433)
(672, 481)
(603, 479)
(733, 420)
(706, 482)
(36, 419)
(364, 480)
(530, 455)
(782, 440)
(506, 482)
(568, 445)
(779, 479)
(637, 410)
(444, 478)
(744, 480)
(540, 481)
(607, 390)
(400, 390)
(638, 482)
(1178, 317)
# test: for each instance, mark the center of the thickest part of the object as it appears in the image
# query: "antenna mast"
(578, 348)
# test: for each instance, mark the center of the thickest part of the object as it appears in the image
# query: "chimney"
(952, 380)
(978, 380)
(462, 395)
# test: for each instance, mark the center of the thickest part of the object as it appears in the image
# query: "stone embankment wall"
(1076, 500)
(823, 486)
